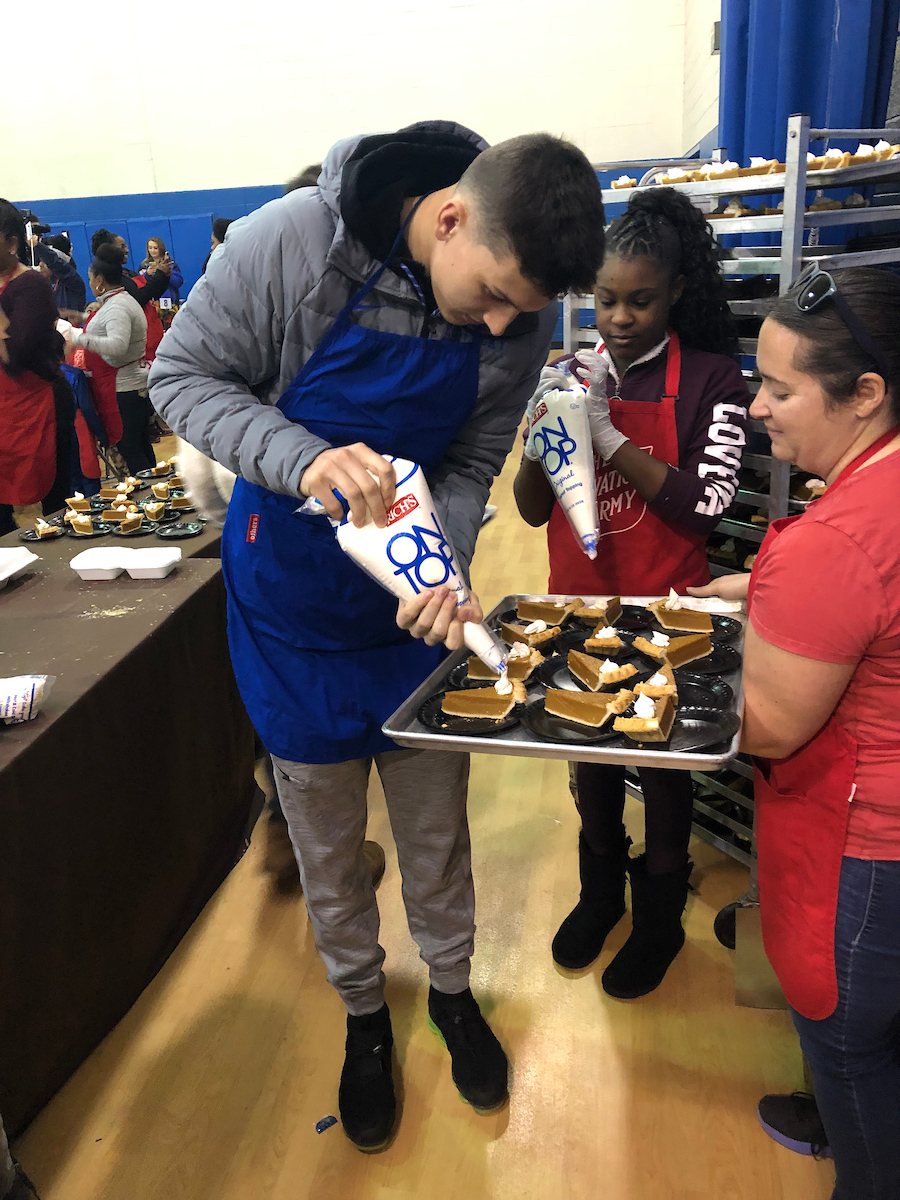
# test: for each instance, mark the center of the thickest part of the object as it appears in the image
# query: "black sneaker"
(480, 1068)
(366, 1096)
(794, 1121)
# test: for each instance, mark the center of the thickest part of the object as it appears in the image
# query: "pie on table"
(607, 612)
(594, 673)
(131, 522)
(517, 633)
(44, 529)
(587, 708)
(604, 640)
(684, 619)
(649, 729)
(653, 649)
(483, 702)
(659, 685)
(82, 523)
(683, 650)
(551, 611)
(516, 668)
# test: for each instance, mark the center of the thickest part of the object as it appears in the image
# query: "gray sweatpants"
(326, 811)
(7, 1172)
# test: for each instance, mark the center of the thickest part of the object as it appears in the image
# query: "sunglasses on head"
(813, 287)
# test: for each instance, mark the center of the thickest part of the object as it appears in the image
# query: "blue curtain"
(832, 59)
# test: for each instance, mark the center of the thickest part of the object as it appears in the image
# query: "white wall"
(701, 71)
(245, 92)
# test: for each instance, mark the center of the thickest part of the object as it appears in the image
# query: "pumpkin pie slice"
(659, 685)
(657, 647)
(132, 522)
(684, 650)
(685, 619)
(161, 468)
(44, 529)
(605, 612)
(551, 611)
(604, 640)
(520, 633)
(181, 502)
(516, 668)
(594, 673)
(160, 491)
(82, 523)
(77, 503)
(154, 509)
(587, 708)
(486, 703)
(649, 729)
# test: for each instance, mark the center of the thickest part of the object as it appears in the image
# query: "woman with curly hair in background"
(668, 415)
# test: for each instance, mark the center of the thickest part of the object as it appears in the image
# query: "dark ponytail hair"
(664, 225)
(12, 225)
(108, 261)
(830, 353)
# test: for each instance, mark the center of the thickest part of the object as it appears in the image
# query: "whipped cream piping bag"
(561, 434)
(413, 553)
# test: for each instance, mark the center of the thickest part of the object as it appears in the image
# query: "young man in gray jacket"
(403, 306)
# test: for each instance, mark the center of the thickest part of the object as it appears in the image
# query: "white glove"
(552, 378)
(594, 371)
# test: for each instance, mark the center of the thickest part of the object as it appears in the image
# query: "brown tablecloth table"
(122, 806)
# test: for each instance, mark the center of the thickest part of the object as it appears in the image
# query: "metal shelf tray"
(406, 730)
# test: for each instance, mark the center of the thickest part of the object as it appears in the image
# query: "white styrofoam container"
(153, 563)
(14, 563)
(101, 562)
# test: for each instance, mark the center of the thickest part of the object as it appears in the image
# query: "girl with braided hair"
(668, 415)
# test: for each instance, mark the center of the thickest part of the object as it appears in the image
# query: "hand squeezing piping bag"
(413, 553)
(561, 432)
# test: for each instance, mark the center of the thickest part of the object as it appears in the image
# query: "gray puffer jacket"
(269, 296)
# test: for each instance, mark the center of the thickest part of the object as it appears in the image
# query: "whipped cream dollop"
(503, 686)
(810, 157)
(606, 632)
(645, 708)
(519, 650)
(759, 162)
(608, 667)
(78, 496)
(673, 603)
(863, 151)
(816, 483)
(535, 627)
(659, 639)
(881, 146)
(676, 173)
(833, 155)
(720, 168)
(624, 181)
(657, 680)
(40, 524)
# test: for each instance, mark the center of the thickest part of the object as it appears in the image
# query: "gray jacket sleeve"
(462, 482)
(223, 346)
(113, 341)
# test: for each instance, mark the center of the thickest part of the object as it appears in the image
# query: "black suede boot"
(657, 903)
(366, 1095)
(480, 1067)
(581, 936)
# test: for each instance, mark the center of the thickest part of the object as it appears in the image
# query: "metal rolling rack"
(718, 828)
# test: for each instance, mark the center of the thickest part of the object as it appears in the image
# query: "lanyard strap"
(673, 367)
(357, 299)
(869, 452)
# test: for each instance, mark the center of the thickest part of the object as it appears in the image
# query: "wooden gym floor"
(210, 1088)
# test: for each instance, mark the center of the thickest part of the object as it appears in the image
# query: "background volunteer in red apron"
(822, 717)
(668, 445)
(33, 352)
(358, 317)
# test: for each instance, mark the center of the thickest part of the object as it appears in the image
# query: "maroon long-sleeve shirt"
(33, 343)
(711, 423)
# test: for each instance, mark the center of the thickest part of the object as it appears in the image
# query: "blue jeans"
(854, 1054)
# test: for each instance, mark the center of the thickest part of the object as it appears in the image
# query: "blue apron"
(317, 654)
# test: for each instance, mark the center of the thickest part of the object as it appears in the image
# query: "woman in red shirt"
(669, 432)
(822, 717)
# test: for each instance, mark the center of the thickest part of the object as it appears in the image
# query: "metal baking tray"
(406, 730)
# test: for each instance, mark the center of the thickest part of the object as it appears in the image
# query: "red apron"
(28, 441)
(155, 328)
(101, 379)
(27, 437)
(802, 816)
(638, 552)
